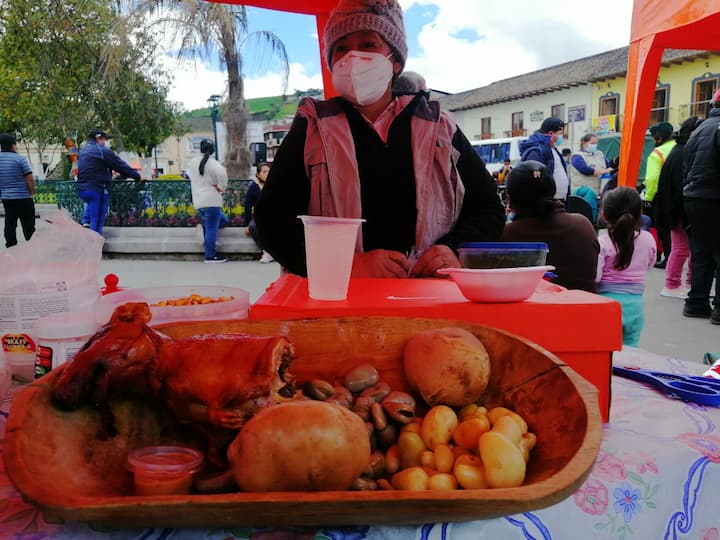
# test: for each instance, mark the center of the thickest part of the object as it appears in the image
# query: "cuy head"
(119, 358)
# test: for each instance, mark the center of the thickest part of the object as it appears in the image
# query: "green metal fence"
(166, 203)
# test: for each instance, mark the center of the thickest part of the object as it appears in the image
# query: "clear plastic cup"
(329, 249)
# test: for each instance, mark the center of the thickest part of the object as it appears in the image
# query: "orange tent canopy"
(657, 25)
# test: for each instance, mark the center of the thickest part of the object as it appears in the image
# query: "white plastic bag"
(55, 271)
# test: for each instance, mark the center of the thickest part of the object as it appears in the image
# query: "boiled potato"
(300, 446)
(447, 366)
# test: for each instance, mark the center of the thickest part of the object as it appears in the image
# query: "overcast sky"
(457, 45)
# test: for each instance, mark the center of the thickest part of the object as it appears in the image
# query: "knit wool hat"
(381, 16)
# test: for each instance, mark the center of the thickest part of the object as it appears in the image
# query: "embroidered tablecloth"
(656, 476)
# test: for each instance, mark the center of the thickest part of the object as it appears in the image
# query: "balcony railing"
(145, 204)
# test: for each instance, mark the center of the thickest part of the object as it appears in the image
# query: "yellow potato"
(498, 412)
(444, 458)
(468, 411)
(427, 459)
(412, 479)
(442, 482)
(470, 475)
(526, 444)
(410, 449)
(508, 427)
(504, 462)
(468, 432)
(438, 425)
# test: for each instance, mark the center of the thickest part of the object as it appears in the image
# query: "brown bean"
(318, 389)
(387, 436)
(378, 416)
(363, 484)
(361, 377)
(342, 397)
(400, 406)
(377, 391)
(362, 407)
(376, 465)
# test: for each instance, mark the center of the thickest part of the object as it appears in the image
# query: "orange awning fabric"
(657, 25)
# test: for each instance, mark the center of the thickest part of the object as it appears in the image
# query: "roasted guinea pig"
(211, 381)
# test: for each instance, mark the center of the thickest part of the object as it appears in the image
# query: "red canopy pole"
(643, 66)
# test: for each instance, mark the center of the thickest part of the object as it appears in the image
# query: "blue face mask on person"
(591, 147)
(559, 141)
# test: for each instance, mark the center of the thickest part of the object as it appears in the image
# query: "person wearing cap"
(399, 162)
(662, 134)
(701, 167)
(95, 165)
(17, 186)
(573, 246)
(544, 146)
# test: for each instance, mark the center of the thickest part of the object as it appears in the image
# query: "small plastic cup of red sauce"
(164, 470)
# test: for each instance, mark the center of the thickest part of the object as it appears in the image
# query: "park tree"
(202, 29)
(70, 65)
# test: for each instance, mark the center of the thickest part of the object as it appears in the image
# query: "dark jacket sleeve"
(482, 216)
(114, 162)
(251, 198)
(285, 196)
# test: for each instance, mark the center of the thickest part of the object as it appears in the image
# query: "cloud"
(514, 37)
(463, 44)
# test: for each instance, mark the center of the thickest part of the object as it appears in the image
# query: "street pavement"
(666, 331)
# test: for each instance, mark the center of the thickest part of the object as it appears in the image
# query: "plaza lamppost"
(213, 101)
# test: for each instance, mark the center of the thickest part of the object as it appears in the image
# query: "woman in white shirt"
(208, 180)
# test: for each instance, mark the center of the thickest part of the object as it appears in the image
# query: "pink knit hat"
(382, 16)
(716, 99)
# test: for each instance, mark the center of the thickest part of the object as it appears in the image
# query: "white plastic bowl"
(233, 309)
(497, 284)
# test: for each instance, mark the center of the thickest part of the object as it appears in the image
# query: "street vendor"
(398, 162)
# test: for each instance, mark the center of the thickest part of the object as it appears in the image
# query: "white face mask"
(362, 77)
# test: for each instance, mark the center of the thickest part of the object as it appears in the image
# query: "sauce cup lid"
(165, 460)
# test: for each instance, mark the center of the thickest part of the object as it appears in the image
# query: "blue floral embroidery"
(626, 501)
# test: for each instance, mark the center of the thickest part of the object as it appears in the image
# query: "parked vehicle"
(495, 151)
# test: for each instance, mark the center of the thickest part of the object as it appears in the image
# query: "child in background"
(626, 254)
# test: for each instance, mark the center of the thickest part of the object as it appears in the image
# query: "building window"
(558, 111)
(485, 129)
(659, 110)
(609, 105)
(518, 124)
(194, 143)
(703, 92)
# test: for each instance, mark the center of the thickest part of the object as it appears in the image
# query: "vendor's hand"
(247, 231)
(433, 259)
(380, 263)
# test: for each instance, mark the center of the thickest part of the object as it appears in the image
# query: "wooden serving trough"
(72, 465)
